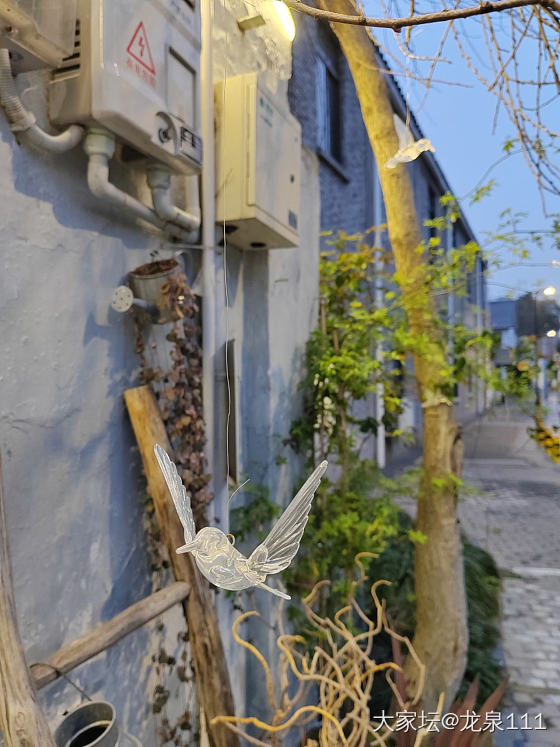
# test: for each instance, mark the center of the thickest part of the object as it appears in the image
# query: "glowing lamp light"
(551, 333)
(550, 290)
(285, 17)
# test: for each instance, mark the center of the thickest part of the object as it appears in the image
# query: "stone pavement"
(516, 517)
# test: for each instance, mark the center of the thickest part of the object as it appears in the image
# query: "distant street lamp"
(551, 333)
(550, 290)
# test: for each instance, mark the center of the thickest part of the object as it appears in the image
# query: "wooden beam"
(22, 722)
(107, 634)
(210, 666)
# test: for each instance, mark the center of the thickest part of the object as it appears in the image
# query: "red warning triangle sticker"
(139, 48)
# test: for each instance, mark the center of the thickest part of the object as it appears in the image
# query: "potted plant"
(149, 282)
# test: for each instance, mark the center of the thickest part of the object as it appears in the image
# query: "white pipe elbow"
(159, 181)
(99, 146)
(60, 143)
(101, 187)
(23, 121)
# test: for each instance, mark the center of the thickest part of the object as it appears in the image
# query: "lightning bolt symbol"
(141, 44)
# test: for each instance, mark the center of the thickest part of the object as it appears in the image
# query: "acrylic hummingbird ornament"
(217, 558)
(409, 149)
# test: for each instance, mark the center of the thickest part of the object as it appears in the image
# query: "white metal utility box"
(136, 71)
(38, 34)
(258, 153)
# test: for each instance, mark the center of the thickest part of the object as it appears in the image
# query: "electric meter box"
(258, 154)
(38, 34)
(135, 71)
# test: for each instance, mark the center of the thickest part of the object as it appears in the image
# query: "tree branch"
(399, 23)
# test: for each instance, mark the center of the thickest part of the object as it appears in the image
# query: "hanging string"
(407, 79)
(226, 291)
(64, 677)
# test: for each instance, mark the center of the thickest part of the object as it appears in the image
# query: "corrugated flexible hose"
(23, 121)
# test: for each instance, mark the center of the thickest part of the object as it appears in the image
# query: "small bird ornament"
(215, 555)
(409, 148)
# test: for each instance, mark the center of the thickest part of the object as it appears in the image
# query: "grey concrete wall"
(272, 307)
(276, 312)
(70, 466)
(71, 473)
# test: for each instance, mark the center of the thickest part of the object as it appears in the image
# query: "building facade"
(71, 470)
(323, 97)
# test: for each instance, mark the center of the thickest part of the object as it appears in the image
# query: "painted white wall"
(70, 472)
(71, 469)
(273, 302)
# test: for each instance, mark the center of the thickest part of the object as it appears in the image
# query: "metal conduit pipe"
(99, 146)
(23, 121)
(208, 234)
(159, 182)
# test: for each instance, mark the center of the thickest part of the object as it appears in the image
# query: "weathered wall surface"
(276, 311)
(71, 471)
(71, 476)
(272, 308)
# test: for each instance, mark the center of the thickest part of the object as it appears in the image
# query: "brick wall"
(346, 186)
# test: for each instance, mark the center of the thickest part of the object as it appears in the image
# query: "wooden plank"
(22, 721)
(107, 634)
(210, 666)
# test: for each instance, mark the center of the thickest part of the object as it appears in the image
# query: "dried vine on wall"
(180, 731)
(178, 391)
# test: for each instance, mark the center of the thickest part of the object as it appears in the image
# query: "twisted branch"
(397, 24)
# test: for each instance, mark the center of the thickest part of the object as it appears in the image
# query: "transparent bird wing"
(181, 499)
(403, 132)
(409, 149)
(279, 548)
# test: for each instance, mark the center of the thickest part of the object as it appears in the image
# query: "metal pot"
(147, 281)
(92, 724)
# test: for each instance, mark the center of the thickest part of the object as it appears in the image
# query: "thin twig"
(396, 24)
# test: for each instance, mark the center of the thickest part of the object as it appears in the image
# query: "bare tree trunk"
(441, 635)
(441, 630)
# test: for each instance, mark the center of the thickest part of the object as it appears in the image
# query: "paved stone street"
(516, 517)
(514, 513)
